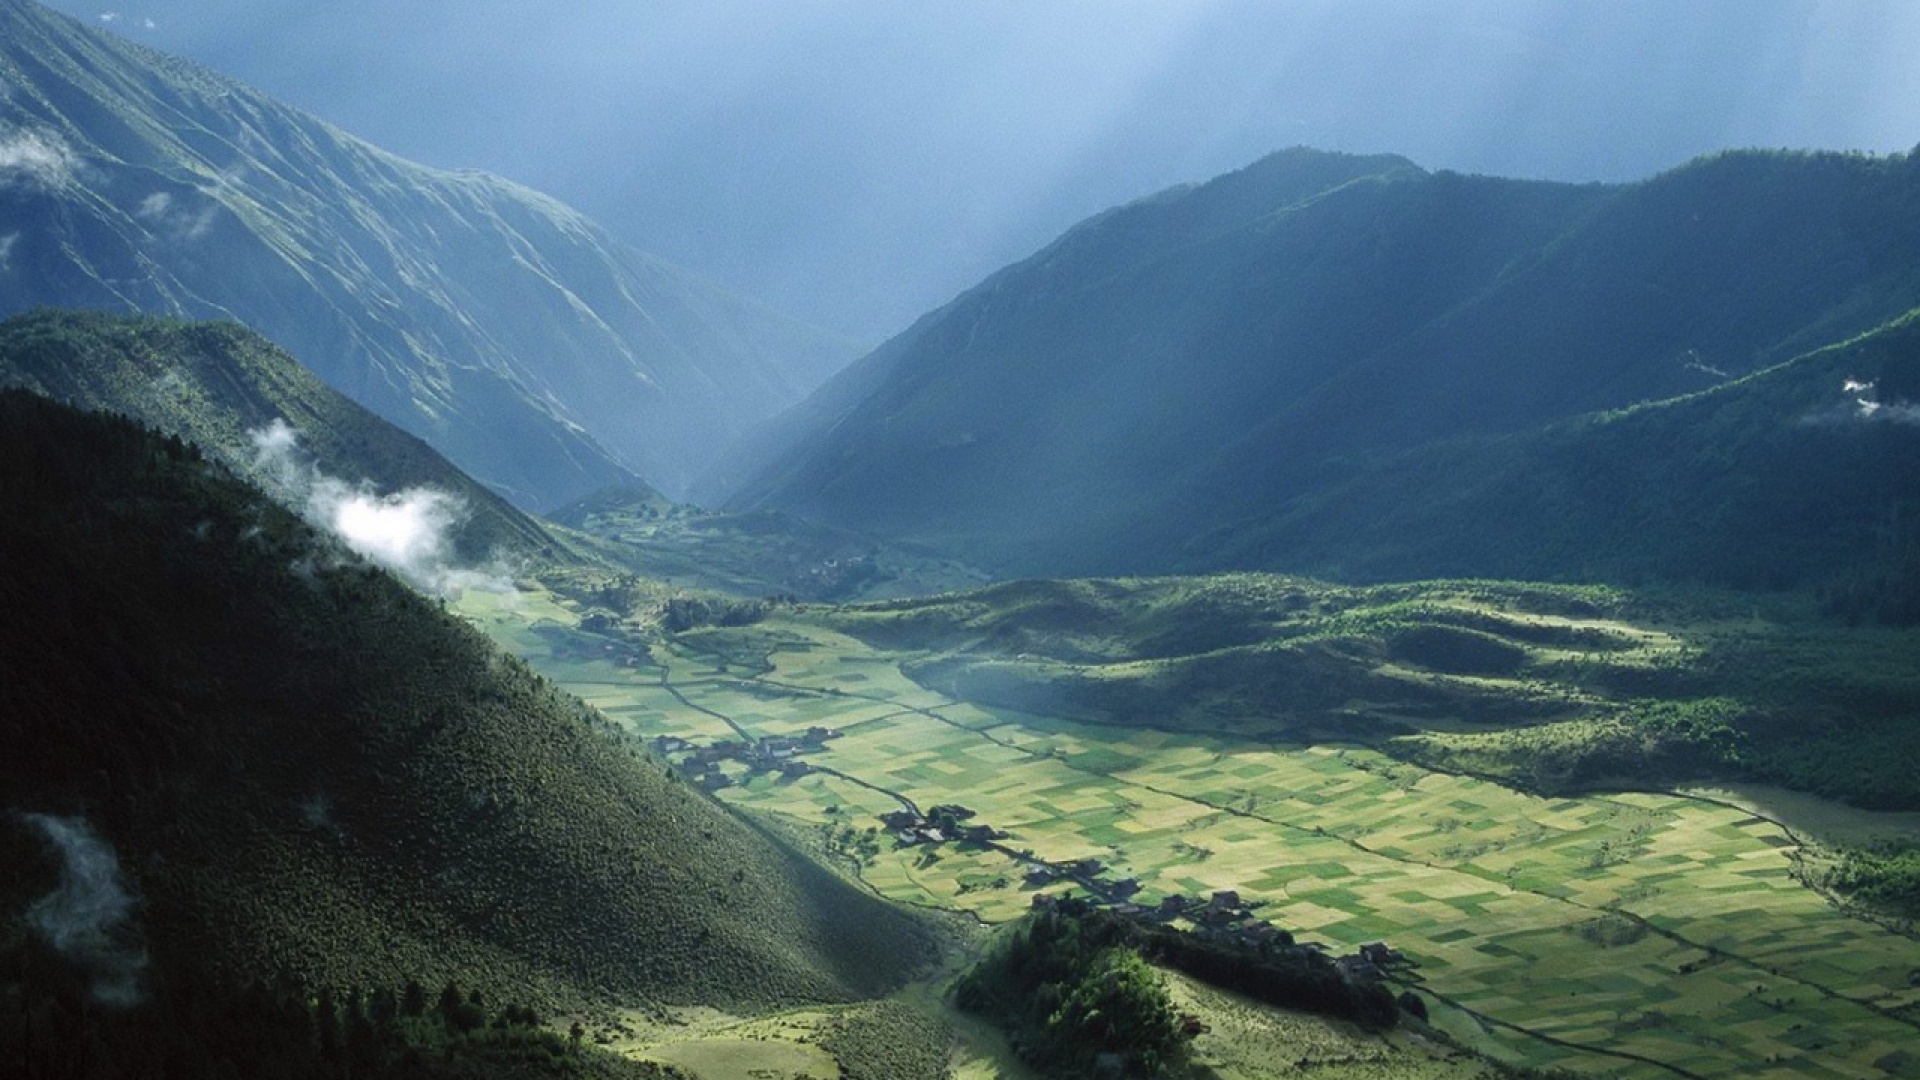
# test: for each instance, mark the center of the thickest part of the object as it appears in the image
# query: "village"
(1223, 918)
(702, 763)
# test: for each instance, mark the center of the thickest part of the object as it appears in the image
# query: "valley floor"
(1627, 934)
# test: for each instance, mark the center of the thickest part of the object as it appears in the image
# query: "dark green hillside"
(1785, 479)
(213, 383)
(303, 767)
(1135, 399)
(538, 354)
(1553, 687)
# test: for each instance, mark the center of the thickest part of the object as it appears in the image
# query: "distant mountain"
(1168, 379)
(1805, 475)
(217, 385)
(502, 327)
(285, 763)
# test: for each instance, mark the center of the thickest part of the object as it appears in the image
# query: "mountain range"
(1205, 378)
(507, 330)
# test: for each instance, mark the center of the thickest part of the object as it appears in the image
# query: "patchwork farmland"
(1615, 935)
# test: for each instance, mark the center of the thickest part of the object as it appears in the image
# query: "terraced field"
(1629, 935)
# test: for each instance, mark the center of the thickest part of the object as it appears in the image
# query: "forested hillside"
(219, 385)
(298, 767)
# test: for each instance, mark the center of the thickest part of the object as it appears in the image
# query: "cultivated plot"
(1631, 934)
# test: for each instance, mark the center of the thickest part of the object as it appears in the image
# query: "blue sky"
(859, 163)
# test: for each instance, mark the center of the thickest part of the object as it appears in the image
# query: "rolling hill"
(1172, 376)
(505, 329)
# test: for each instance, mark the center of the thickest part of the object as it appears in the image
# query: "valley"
(1624, 933)
(1346, 617)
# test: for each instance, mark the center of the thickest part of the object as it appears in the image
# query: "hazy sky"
(859, 163)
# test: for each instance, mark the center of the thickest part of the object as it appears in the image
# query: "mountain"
(220, 386)
(290, 764)
(1805, 475)
(498, 325)
(1173, 372)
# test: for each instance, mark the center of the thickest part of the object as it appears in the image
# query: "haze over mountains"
(504, 328)
(1169, 381)
(863, 163)
(804, 714)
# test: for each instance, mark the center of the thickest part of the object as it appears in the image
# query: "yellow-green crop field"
(1613, 935)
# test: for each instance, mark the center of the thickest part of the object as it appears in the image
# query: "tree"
(1120, 1006)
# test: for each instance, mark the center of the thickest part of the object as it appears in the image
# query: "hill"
(500, 326)
(299, 767)
(1133, 396)
(219, 385)
(1553, 688)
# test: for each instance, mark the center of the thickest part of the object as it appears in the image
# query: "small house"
(1379, 954)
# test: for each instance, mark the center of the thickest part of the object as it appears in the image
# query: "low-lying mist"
(409, 532)
(88, 917)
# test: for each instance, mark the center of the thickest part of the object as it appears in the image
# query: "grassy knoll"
(1598, 933)
(1247, 1041)
(1556, 688)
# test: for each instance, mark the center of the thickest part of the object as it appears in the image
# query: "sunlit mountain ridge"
(499, 325)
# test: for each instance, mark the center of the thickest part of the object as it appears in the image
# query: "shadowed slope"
(304, 767)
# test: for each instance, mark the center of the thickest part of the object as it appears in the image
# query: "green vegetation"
(1572, 931)
(756, 554)
(888, 1040)
(212, 384)
(1885, 878)
(1557, 688)
(192, 1026)
(1076, 1000)
(307, 769)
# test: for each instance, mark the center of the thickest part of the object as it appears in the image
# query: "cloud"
(165, 214)
(409, 532)
(6, 250)
(1867, 407)
(89, 916)
(28, 156)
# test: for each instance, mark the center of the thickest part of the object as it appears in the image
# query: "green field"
(1627, 934)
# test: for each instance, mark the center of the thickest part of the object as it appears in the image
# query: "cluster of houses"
(781, 755)
(938, 825)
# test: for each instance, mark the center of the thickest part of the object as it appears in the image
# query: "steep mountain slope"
(1136, 384)
(217, 384)
(302, 767)
(500, 326)
(1805, 475)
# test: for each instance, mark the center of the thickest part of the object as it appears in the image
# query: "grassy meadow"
(1626, 934)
